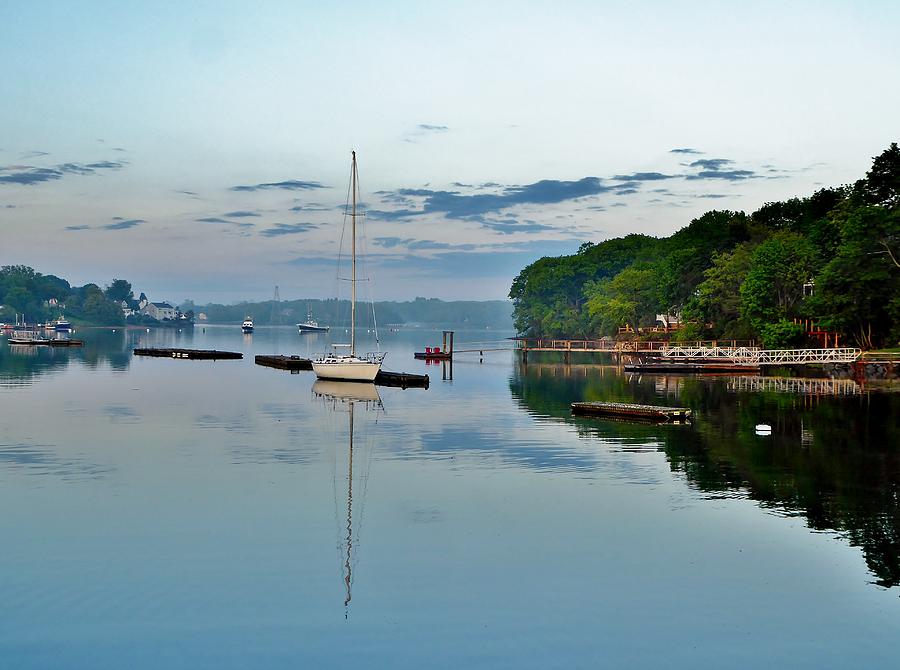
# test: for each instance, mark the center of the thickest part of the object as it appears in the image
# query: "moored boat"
(247, 326)
(350, 366)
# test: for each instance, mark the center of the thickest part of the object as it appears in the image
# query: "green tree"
(717, 299)
(773, 288)
(119, 290)
(631, 297)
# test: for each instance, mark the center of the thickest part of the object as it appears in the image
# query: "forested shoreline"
(832, 258)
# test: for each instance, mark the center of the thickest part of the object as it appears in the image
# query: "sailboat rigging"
(350, 367)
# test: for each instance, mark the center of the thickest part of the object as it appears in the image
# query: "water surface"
(194, 514)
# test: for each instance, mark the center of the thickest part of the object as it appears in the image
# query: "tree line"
(832, 258)
(41, 298)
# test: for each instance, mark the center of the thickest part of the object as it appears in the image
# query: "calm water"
(194, 514)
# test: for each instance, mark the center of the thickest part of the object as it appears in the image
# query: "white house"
(159, 310)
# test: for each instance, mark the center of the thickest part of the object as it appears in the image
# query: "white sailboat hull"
(356, 371)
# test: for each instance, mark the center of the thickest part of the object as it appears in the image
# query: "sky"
(202, 150)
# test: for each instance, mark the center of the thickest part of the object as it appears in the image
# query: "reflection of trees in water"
(22, 364)
(833, 460)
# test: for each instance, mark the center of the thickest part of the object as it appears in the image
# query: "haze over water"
(190, 514)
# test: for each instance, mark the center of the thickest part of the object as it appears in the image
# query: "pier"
(626, 410)
(193, 354)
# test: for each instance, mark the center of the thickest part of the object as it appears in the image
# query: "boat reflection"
(340, 395)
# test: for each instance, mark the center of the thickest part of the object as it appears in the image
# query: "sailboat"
(349, 393)
(350, 366)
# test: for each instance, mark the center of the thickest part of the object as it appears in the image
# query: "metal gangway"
(754, 356)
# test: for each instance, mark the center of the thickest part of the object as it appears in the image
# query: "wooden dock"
(193, 354)
(66, 343)
(292, 363)
(626, 410)
(296, 363)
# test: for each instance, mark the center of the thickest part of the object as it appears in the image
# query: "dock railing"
(610, 345)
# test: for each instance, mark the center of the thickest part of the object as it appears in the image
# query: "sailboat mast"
(353, 262)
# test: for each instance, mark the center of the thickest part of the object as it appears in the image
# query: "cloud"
(213, 219)
(711, 163)
(419, 245)
(288, 185)
(240, 214)
(34, 154)
(311, 207)
(643, 176)
(77, 227)
(424, 129)
(123, 224)
(288, 229)
(684, 150)
(715, 195)
(509, 226)
(456, 206)
(431, 128)
(729, 175)
(28, 175)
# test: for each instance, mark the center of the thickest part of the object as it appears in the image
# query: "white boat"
(27, 337)
(311, 325)
(247, 326)
(350, 366)
(62, 326)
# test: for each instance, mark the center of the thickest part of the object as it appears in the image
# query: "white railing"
(795, 385)
(764, 356)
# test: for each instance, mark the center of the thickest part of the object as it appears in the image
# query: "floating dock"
(625, 410)
(194, 354)
(284, 362)
(384, 378)
(66, 343)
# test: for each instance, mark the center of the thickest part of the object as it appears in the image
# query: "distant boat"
(247, 326)
(62, 326)
(27, 337)
(350, 367)
(311, 325)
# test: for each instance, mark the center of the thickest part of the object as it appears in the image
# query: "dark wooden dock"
(402, 380)
(626, 410)
(284, 362)
(296, 363)
(66, 343)
(193, 354)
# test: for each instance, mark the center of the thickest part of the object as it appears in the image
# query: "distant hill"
(496, 314)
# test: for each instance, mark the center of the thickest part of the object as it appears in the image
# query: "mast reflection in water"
(340, 395)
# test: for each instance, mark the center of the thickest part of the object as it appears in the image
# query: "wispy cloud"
(419, 245)
(123, 224)
(455, 205)
(684, 150)
(310, 207)
(280, 229)
(288, 185)
(28, 175)
(82, 227)
(728, 175)
(432, 128)
(423, 130)
(242, 213)
(212, 219)
(33, 154)
(711, 163)
(644, 176)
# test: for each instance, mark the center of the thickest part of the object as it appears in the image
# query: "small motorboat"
(247, 326)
